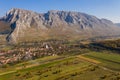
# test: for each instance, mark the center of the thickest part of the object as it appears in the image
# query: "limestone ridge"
(57, 22)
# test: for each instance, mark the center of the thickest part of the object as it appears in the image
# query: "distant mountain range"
(31, 26)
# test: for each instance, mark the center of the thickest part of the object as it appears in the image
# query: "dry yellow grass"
(88, 59)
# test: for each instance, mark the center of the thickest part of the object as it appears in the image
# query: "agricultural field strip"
(7, 72)
(88, 59)
(78, 70)
(33, 65)
(109, 60)
(111, 57)
(95, 62)
(40, 62)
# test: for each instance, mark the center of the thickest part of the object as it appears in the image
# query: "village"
(30, 51)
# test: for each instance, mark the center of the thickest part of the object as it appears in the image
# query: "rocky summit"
(28, 25)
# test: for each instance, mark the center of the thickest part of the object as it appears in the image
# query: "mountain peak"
(53, 11)
(66, 24)
(17, 9)
(13, 10)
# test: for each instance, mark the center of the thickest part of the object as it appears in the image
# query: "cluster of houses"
(30, 52)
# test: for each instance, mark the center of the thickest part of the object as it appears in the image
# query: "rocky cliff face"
(56, 24)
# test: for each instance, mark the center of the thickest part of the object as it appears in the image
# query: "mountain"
(28, 25)
(4, 28)
(4, 31)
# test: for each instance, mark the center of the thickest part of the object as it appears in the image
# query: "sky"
(109, 9)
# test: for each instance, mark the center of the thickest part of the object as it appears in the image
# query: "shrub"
(5, 66)
(28, 75)
(45, 75)
(18, 74)
(56, 72)
(74, 74)
(103, 77)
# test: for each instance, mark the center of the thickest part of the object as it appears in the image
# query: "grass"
(59, 68)
(36, 61)
(30, 63)
(88, 59)
(109, 60)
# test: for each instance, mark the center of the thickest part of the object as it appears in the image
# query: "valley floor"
(90, 66)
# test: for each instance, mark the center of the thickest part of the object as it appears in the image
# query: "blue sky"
(109, 9)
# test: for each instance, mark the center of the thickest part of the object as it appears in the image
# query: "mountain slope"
(4, 27)
(4, 31)
(29, 25)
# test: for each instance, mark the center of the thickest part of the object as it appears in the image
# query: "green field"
(57, 68)
(109, 60)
